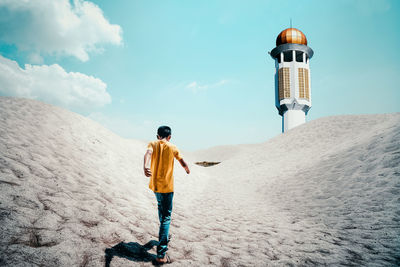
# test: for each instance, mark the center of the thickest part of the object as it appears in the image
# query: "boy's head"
(164, 132)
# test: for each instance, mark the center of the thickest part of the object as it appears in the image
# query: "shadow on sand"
(132, 251)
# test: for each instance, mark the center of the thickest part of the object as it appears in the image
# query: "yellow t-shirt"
(162, 165)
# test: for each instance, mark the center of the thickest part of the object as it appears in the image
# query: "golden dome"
(291, 36)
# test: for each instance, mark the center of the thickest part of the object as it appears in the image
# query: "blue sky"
(201, 67)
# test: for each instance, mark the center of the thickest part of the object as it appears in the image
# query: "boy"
(162, 153)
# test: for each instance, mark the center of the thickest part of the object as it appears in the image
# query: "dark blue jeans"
(164, 201)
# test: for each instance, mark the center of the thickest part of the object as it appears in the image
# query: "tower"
(292, 77)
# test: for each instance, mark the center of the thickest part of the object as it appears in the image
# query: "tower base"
(292, 118)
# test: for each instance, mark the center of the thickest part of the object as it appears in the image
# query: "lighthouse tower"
(292, 77)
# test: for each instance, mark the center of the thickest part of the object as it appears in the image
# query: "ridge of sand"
(326, 192)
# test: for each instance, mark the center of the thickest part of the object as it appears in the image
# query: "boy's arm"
(178, 157)
(146, 163)
(184, 165)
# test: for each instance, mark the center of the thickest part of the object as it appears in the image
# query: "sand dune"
(73, 194)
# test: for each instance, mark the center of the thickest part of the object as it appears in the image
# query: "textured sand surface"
(72, 193)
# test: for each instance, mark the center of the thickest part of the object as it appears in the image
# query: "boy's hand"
(187, 170)
(146, 163)
(147, 171)
(184, 165)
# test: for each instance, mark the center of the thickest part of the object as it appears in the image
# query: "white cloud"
(56, 27)
(196, 87)
(35, 58)
(52, 84)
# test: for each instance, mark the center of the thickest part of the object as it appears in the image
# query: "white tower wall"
(292, 118)
(292, 83)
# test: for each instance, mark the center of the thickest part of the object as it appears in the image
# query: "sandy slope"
(327, 192)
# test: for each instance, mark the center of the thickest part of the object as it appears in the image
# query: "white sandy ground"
(325, 193)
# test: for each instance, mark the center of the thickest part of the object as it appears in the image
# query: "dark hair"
(164, 131)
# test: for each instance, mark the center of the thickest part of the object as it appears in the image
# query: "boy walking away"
(161, 153)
